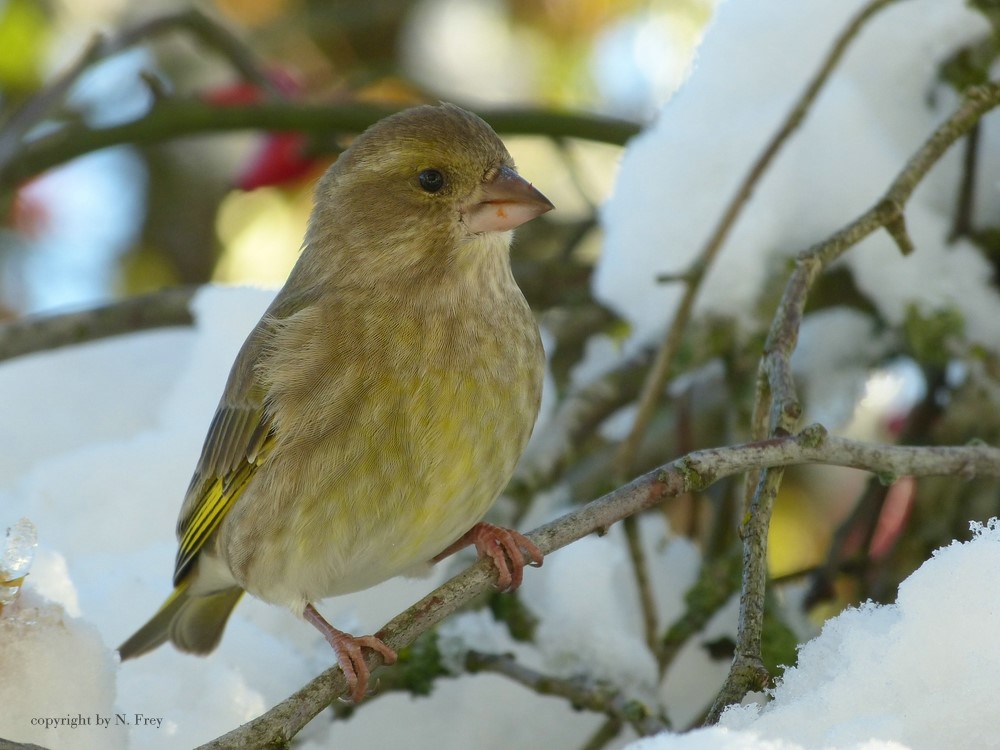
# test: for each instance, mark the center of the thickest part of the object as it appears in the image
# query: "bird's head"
(427, 181)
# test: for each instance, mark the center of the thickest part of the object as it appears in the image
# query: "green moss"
(929, 333)
(419, 665)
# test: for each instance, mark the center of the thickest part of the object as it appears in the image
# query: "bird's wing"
(239, 440)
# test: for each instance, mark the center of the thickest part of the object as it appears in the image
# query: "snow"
(832, 362)
(104, 501)
(917, 674)
(877, 678)
(876, 109)
(100, 441)
(723, 739)
(599, 635)
(48, 655)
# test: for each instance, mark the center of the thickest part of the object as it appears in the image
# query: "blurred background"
(233, 207)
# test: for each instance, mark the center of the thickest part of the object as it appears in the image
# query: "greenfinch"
(379, 407)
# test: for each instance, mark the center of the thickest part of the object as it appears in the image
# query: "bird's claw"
(349, 651)
(509, 550)
(351, 657)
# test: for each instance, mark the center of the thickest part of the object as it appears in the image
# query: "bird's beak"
(507, 200)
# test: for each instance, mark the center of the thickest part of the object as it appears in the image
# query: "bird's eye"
(431, 180)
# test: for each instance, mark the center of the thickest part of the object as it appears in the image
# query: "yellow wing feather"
(239, 437)
(217, 498)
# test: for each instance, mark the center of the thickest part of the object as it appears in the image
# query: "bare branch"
(695, 274)
(644, 587)
(693, 472)
(605, 733)
(212, 33)
(169, 120)
(581, 694)
(203, 26)
(577, 415)
(35, 109)
(44, 332)
(776, 392)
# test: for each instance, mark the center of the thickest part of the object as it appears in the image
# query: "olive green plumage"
(378, 408)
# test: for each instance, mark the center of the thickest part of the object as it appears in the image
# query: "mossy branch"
(694, 471)
(777, 409)
(694, 276)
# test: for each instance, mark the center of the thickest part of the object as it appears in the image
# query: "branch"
(34, 110)
(693, 472)
(605, 733)
(175, 118)
(718, 579)
(576, 417)
(212, 34)
(696, 273)
(41, 333)
(698, 270)
(777, 408)
(963, 224)
(580, 694)
(201, 25)
(643, 586)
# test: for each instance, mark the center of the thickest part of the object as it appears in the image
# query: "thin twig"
(694, 472)
(695, 274)
(647, 600)
(36, 108)
(776, 387)
(580, 694)
(574, 173)
(718, 579)
(963, 223)
(604, 734)
(575, 418)
(210, 31)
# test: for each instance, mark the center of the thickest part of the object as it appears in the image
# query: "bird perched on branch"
(378, 408)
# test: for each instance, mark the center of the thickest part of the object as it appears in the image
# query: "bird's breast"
(391, 444)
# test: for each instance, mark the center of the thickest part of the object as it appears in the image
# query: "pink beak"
(507, 201)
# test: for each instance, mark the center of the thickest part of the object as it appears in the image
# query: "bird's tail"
(193, 623)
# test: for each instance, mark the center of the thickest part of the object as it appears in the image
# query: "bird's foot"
(509, 550)
(349, 652)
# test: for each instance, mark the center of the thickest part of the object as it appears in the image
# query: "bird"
(378, 408)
